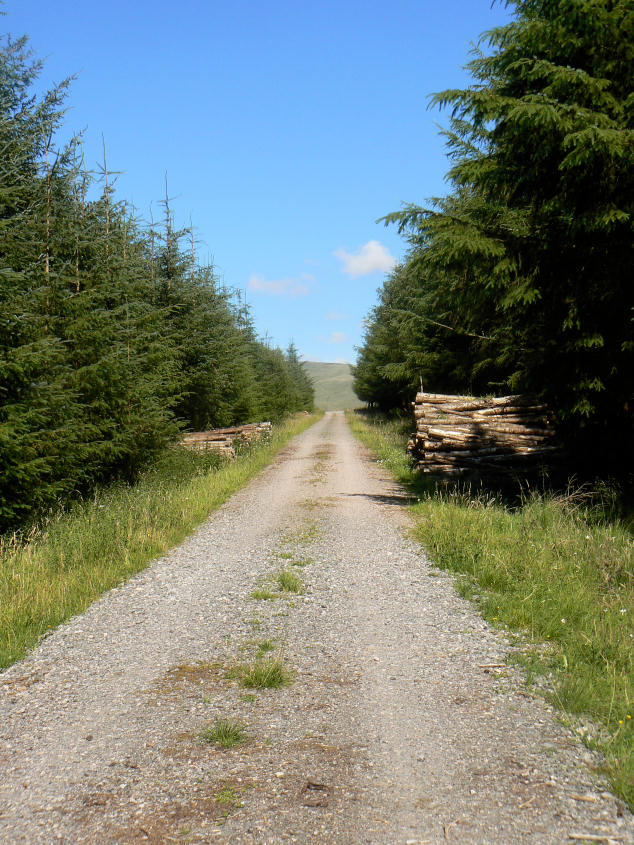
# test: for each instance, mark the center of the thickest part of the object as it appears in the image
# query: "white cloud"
(335, 315)
(337, 337)
(371, 258)
(291, 286)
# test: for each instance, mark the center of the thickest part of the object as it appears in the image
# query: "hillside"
(333, 386)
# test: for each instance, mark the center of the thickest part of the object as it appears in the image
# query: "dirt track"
(402, 724)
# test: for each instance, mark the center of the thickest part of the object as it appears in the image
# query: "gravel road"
(403, 723)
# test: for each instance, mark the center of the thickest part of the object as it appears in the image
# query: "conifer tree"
(535, 244)
(302, 398)
(35, 406)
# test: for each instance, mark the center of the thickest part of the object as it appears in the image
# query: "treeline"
(521, 280)
(112, 337)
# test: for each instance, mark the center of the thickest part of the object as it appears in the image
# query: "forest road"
(402, 723)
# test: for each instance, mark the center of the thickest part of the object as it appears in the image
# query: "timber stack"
(225, 440)
(469, 437)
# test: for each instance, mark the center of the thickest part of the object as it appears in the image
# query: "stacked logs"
(466, 436)
(223, 440)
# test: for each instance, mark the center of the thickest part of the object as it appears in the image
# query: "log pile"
(224, 440)
(469, 437)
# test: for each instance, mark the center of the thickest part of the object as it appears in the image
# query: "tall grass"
(74, 556)
(558, 569)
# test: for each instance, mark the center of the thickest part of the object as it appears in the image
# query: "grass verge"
(72, 558)
(556, 569)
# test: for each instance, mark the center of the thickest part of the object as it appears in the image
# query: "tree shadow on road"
(402, 500)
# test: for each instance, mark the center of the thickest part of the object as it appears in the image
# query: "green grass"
(289, 582)
(265, 646)
(302, 536)
(560, 571)
(301, 562)
(228, 795)
(224, 733)
(72, 558)
(333, 386)
(262, 674)
(261, 594)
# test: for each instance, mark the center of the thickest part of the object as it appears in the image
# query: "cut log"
(223, 440)
(496, 436)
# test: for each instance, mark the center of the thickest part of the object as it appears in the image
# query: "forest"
(113, 337)
(520, 280)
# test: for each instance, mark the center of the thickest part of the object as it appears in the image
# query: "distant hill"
(333, 386)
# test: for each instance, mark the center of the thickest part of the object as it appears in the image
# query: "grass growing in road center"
(262, 674)
(68, 561)
(558, 569)
(224, 733)
(289, 582)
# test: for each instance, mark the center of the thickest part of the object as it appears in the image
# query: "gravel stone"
(402, 724)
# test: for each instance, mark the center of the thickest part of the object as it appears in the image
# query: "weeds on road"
(289, 582)
(558, 569)
(262, 674)
(304, 535)
(301, 562)
(68, 561)
(228, 795)
(224, 733)
(261, 594)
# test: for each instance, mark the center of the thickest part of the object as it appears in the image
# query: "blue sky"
(285, 129)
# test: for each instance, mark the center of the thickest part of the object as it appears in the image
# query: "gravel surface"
(402, 723)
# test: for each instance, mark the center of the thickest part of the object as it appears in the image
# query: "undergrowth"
(557, 568)
(73, 556)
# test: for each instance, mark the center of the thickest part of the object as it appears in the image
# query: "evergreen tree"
(535, 244)
(35, 405)
(303, 398)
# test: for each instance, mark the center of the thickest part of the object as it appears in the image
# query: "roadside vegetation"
(70, 558)
(555, 570)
